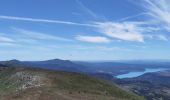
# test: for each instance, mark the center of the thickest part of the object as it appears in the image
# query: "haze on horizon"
(84, 29)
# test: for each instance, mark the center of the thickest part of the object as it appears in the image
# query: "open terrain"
(154, 86)
(19, 83)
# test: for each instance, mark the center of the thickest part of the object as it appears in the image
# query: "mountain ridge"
(22, 83)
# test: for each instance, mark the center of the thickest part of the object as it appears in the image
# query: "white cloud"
(39, 35)
(41, 20)
(157, 37)
(159, 10)
(162, 37)
(124, 30)
(131, 17)
(9, 44)
(128, 31)
(86, 9)
(6, 39)
(90, 12)
(93, 39)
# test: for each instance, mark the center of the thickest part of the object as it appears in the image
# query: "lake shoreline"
(133, 74)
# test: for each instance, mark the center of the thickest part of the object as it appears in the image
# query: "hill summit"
(19, 83)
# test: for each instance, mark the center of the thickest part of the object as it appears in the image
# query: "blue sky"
(84, 29)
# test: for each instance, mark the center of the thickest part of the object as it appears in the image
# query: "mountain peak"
(14, 60)
(58, 60)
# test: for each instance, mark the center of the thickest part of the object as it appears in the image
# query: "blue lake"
(136, 74)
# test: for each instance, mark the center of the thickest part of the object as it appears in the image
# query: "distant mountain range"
(55, 64)
(93, 68)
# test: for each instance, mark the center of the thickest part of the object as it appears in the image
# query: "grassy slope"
(38, 84)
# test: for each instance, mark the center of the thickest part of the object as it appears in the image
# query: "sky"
(84, 29)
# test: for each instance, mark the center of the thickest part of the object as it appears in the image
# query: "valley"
(154, 86)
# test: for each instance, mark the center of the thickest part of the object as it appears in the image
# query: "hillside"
(18, 83)
(153, 86)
